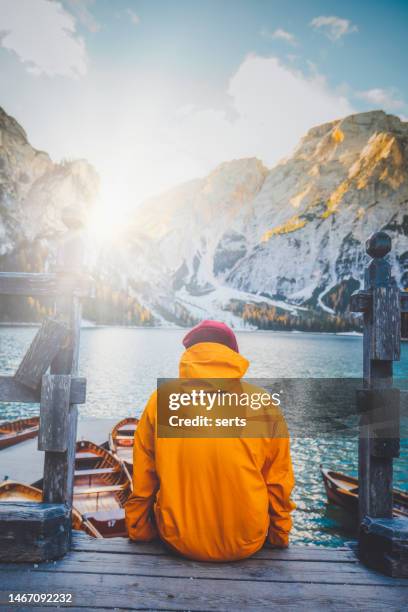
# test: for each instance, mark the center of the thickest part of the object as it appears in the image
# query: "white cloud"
(273, 106)
(333, 27)
(43, 36)
(147, 133)
(382, 98)
(134, 17)
(80, 8)
(280, 34)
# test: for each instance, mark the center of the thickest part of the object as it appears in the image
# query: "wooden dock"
(119, 574)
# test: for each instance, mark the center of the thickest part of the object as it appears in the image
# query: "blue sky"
(155, 92)
(209, 38)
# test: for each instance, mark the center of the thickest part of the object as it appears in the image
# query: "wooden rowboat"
(12, 432)
(342, 490)
(12, 491)
(101, 488)
(121, 442)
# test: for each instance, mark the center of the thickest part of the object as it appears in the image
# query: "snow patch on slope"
(214, 305)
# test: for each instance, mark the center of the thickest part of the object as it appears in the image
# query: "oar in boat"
(101, 488)
(342, 490)
(121, 442)
(12, 491)
(12, 432)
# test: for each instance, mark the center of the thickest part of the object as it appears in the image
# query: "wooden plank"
(21, 283)
(54, 412)
(145, 592)
(44, 347)
(12, 391)
(82, 542)
(41, 285)
(256, 570)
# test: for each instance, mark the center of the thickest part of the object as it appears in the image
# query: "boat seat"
(96, 471)
(86, 455)
(97, 490)
(105, 515)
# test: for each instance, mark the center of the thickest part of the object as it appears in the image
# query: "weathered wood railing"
(43, 531)
(383, 540)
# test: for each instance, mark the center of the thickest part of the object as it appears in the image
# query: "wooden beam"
(21, 283)
(33, 531)
(39, 284)
(47, 342)
(13, 391)
(54, 412)
(59, 467)
(360, 301)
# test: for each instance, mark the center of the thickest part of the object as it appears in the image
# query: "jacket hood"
(212, 360)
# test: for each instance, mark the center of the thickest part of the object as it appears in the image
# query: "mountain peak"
(9, 125)
(243, 235)
(33, 192)
(294, 232)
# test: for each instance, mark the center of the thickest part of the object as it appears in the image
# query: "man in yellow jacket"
(210, 499)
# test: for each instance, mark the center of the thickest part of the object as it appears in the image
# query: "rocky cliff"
(280, 247)
(281, 238)
(33, 191)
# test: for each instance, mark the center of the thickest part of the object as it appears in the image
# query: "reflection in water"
(122, 366)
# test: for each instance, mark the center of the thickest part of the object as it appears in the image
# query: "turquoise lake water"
(122, 366)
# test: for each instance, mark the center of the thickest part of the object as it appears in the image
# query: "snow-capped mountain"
(246, 244)
(292, 235)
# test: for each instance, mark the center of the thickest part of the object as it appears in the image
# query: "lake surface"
(122, 366)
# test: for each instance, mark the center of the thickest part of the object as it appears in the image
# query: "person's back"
(213, 498)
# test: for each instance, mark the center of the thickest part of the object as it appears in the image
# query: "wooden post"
(382, 338)
(32, 531)
(59, 465)
(379, 404)
(45, 346)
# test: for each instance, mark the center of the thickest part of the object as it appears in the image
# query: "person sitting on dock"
(210, 499)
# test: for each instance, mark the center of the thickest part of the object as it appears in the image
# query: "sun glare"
(103, 224)
(110, 215)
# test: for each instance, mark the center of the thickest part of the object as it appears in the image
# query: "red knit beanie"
(211, 331)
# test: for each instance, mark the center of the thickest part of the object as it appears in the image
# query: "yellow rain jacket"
(214, 499)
